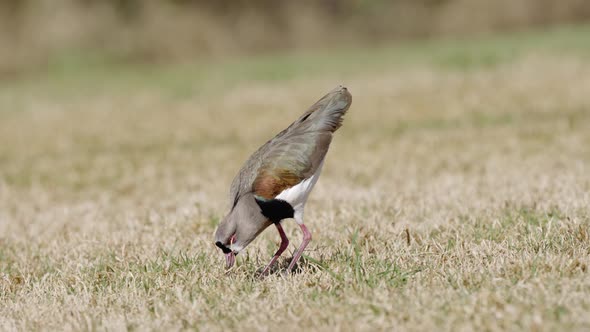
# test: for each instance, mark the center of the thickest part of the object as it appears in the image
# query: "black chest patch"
(276, 209)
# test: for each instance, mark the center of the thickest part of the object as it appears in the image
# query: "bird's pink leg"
(282, 247)
(304, 243)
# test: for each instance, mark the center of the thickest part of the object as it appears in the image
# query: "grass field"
(455, 197)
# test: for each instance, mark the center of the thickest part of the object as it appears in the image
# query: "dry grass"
(451, 199)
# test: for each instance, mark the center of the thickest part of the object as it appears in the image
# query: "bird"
(275, 182)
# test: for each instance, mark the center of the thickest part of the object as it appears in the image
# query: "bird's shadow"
(303, 265)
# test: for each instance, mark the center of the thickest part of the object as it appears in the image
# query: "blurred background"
(37, 33)
(456, 192)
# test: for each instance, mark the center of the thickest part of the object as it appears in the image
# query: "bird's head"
(240, 227)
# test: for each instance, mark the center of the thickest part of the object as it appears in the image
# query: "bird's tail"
(327, 113)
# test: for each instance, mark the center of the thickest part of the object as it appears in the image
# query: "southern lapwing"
(275, 182)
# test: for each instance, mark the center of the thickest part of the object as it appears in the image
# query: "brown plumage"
(276, 180)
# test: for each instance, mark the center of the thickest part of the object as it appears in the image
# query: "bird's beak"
(230, 259)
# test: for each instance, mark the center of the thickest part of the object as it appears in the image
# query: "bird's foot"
(287, 272)
(261, 274)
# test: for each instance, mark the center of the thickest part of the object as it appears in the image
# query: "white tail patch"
(298, 194)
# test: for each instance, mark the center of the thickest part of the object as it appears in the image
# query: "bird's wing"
(295, 153)
(295, 158)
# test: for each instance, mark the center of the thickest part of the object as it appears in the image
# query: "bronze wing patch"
(270, 183)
